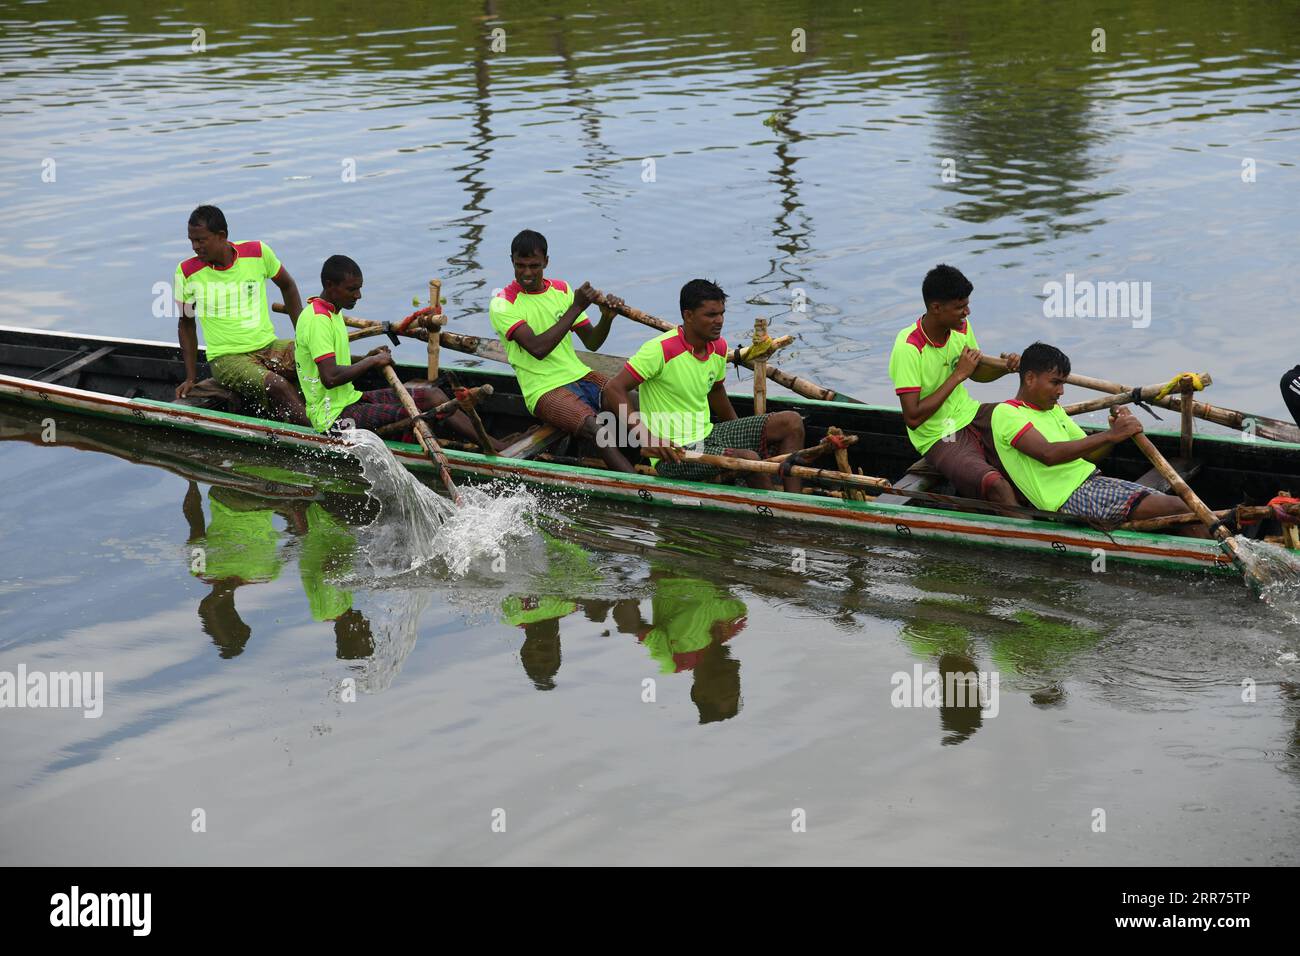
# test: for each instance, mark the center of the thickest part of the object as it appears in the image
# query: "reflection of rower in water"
(241, 545)
(568, 568)
(327, 551)
(693, 619)
(1028, 649)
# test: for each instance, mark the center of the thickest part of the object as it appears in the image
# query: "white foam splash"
(1281, 569)
(417, 526)
(395, 618)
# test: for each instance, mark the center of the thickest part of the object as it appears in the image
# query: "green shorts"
(245, 373)
(744, 433)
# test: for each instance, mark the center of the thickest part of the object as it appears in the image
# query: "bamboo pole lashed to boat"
(1146, 393)
(815, 451)
(800, 386)
(1273, 429)
(1185, 445)
(433, 326)
(758, 338)
(840, 443)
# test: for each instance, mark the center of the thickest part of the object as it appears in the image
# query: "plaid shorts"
(568, 406)
(1105, 499)
(747, 433)
(382, 407)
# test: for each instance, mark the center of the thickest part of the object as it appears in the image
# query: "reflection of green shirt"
(327, 550)
(239, 543)
(568, 568)
(1039, 645)
(685, 611)
(518, 611)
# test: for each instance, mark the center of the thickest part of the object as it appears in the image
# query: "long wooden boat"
(134, 380)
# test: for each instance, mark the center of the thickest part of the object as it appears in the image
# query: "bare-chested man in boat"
(224, 286)
(533, 316)
(930, 363)
(1051, 459)
(679, 376)
(326, 370)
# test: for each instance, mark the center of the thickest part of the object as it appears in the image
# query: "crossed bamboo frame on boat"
(429, 324)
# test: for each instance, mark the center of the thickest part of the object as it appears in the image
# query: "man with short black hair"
(679, 376)
(533, 316)
(1051, 459)
(929, 365)
(324, 361)
(224, 286)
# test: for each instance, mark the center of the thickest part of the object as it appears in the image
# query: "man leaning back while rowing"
(929, 365)
(324, 361)
(533, 317)
(679, 376)
(1052, 460)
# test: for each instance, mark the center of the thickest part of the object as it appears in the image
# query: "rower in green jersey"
(684, 405)
(533, 316)
(929, 365)
(224, 287)
(323, 356)
(1051, 459)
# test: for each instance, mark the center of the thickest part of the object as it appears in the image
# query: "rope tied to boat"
(798, 458)
(1136, 398)
(417, 316)
(839, 442)
(1175, 384)
(762, 346)
(1282, 512)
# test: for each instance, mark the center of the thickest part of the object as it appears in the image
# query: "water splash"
(1281, 569)
(395, 618)
(417, 527)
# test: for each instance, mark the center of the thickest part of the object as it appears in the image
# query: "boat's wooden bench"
(922, 476)
(533, 442)
(72, 364)
(1156, 481)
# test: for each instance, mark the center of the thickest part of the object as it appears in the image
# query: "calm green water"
(783, 174)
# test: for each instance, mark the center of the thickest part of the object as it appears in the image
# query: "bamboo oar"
(423, 433)
(1229, 541)
(1273, 429)
(800, 386)
(869, 482)
(1147, 394)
